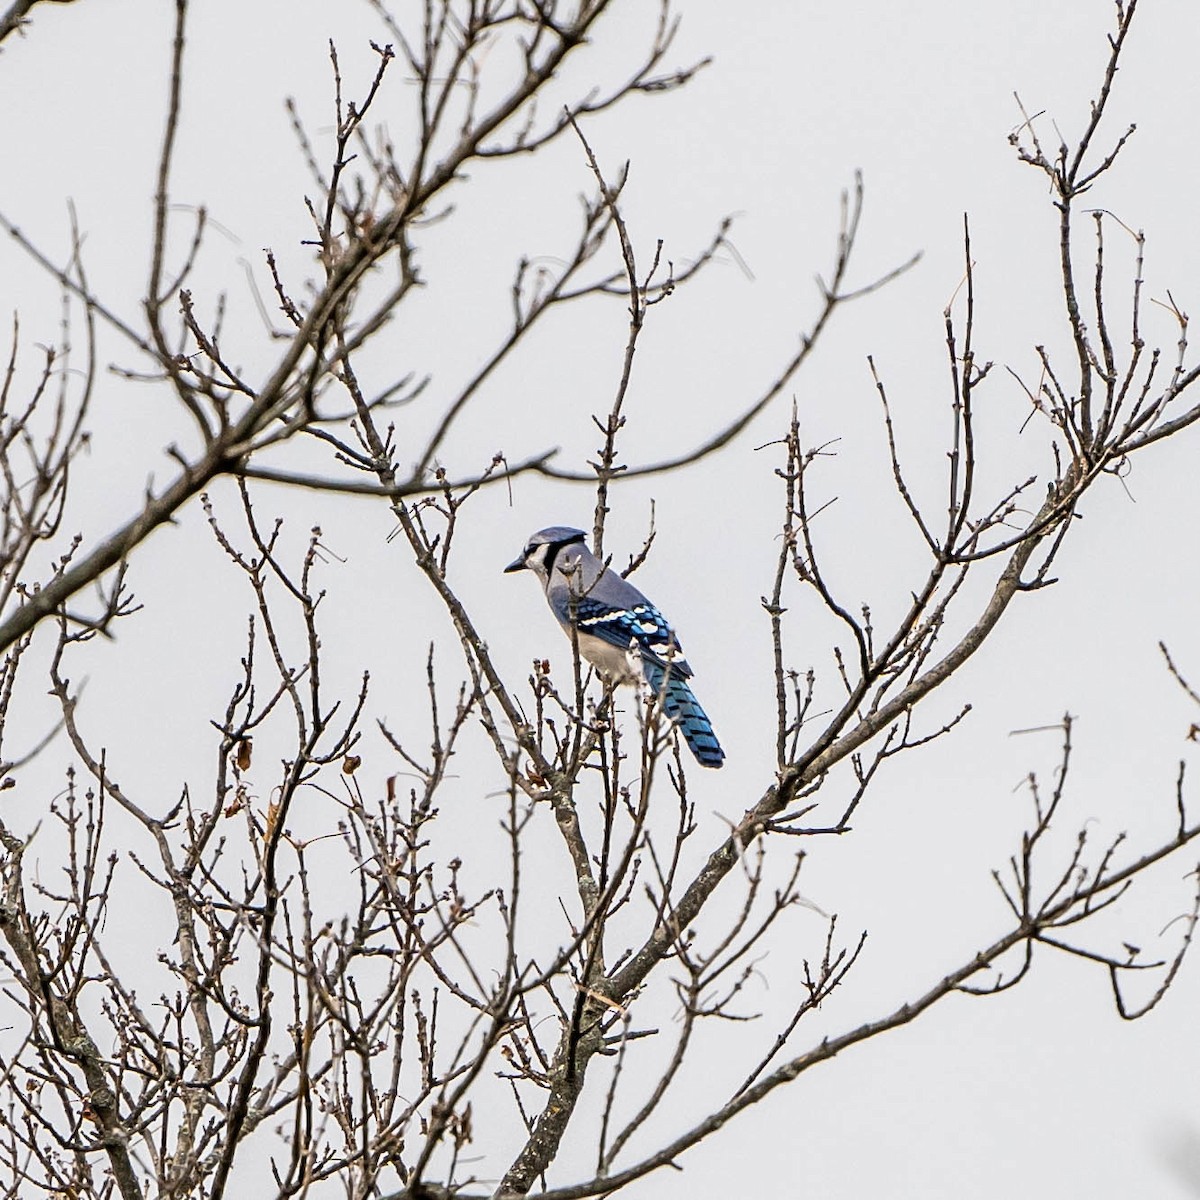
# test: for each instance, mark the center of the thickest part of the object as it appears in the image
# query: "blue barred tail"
(681, 705)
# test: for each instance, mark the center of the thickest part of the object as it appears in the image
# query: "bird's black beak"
(517, 564)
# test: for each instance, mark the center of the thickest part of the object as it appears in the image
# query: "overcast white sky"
(1041, 1092)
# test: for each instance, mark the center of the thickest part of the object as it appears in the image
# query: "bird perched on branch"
(617, 629)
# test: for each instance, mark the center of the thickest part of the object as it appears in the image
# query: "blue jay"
(618, 630)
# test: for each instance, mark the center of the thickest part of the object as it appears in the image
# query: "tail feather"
(682, 707)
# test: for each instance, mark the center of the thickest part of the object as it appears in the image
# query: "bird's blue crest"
(553, 534)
